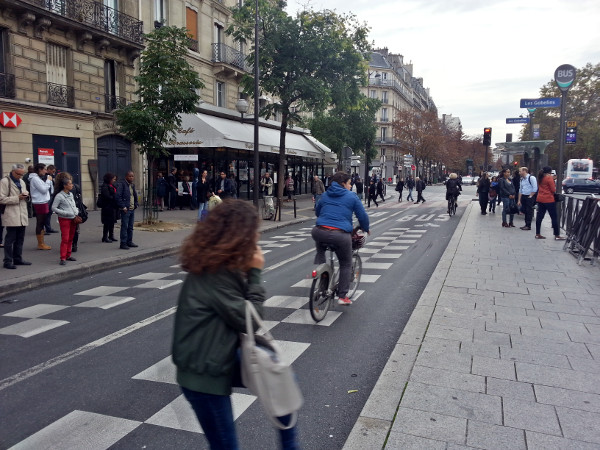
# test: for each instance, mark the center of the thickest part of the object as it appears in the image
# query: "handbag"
(77, 220)
(512, 207)
(266, 375)
(558, 197)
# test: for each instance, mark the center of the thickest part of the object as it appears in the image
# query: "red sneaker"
(344, 301)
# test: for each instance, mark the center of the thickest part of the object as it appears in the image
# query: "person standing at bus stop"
(546, 202)
(527, 191)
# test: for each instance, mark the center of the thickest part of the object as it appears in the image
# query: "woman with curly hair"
(224, 264)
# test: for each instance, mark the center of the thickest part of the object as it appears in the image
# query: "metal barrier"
(580, 218)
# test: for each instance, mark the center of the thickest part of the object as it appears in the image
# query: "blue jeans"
(215, 414)
(409, 196)
(505, 208)
(127, 219)
(201, 207)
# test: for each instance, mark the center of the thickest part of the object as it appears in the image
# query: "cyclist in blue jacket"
(334, 228)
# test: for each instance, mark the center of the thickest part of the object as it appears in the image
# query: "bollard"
(294, 207)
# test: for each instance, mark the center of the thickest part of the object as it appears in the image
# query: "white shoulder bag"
(266, 375)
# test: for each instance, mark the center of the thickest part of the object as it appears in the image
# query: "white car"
(466, 181)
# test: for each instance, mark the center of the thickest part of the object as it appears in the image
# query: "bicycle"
(324, 288)
(452, 205)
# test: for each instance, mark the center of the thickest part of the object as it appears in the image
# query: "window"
(59, 93)
(218, 41)
(384, 97)
(191, 23)
(7, 79)
(373, 93)
(112, 24)
(383, 133)
(111, 86)
(384, 114)
(220, 94)
(3, 50)
(159, 12)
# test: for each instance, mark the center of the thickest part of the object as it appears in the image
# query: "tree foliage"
(167, 87)
(420, 133)
(583, 106)
(309, 62)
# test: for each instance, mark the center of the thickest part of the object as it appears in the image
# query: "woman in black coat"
(108, 203)
(483, 190)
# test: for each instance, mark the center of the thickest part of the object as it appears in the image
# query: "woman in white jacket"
(64, 207)
(40, 196)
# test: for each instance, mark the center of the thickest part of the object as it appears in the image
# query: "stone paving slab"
(508, 340)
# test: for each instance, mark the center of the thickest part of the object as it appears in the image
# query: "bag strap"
(251, 313)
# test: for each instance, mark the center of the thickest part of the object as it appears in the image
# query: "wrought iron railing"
(580, 218)
(96, 15)
(229, 55)
(60, 95)
(192, 44)
(112, 102)
(7, 85)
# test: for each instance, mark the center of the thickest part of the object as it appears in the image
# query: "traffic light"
(487, 136)
(516, 163)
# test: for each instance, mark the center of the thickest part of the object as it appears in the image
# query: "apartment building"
(65, 66)
(391, 80)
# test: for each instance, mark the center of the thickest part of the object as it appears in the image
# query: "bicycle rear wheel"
(356, 273)
(319, 300)
(453, 206)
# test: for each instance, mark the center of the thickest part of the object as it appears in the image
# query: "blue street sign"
(518, 120)
(552, 102)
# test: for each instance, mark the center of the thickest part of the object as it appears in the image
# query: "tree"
(308, 62)
(583, 106)
(345, 124)
(419, 132)
(167, 86)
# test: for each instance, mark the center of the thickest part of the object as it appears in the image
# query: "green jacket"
(211, 312)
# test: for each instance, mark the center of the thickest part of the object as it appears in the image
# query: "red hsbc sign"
(9, 119)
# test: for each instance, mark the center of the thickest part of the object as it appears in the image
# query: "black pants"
(483, 202)
(420, 197)
(172, 199)
(400, 195)
(13, 244)
(374, 198)
(342, 243)
(541, 212)
(528, 208)
(380, 194)
(47, 225)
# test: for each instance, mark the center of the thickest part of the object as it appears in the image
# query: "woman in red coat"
(545, 202)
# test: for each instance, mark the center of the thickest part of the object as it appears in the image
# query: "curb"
(377, 416)
(28, 282)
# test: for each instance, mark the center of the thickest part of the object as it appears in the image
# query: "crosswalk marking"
(303, 317)
(369, 278)
(31, 327)
(159, 284)
(386, 256)
(385, 238)
(80, 429)
(275, 245)
(404, 241)
(374, 265)
(397, 247)
(151, 276)
(33, 312)
(286, 301)
(377, 244)
(105, 302)
(307, 282)
(102, 290)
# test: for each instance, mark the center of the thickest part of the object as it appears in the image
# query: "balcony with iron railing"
(7, 85)
(112, 102)
(393, 84)
(95, 15)
(228, 55)
(60, 95)
(192, 44)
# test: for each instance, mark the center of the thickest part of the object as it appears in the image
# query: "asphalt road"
(103, 375)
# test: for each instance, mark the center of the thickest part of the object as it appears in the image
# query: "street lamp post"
(256, 111)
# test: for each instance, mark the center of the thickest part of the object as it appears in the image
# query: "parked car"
(585, 185)
(467, 181)
(475, 180)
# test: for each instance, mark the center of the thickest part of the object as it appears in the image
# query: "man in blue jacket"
(128, 202)
(334, 227)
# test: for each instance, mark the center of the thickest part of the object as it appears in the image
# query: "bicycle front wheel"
(319, 300)
(356, 273)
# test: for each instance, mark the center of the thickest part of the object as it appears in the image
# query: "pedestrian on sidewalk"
(372, 193)
(185, 193)
(128, 202)
(318, 189)
(516, 181)
(202, 194)
(493, 195)
(30, 171)
(289, 186)
(223, 187)
(50, 173)
(13, 196)
(380, 189)
(162, 190)
(410, 185)
(66, 210)
(173, 188)
(420, 187)
(527, 193)
(360, 187)
(546, 202)
(399, 189)
(483, 190)
(1, 231)
(506, 192)
(40, 196)
(224, 271)
(109, 207)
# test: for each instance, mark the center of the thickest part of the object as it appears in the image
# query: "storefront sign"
(46, 156)
(10, 119)
(185, 157)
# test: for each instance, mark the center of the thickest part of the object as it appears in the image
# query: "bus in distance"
(580, 168)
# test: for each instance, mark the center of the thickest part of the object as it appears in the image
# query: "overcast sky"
(479, 58)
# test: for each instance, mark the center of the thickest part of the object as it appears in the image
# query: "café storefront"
(218, 143)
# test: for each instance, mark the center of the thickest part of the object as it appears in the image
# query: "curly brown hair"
(226, 239)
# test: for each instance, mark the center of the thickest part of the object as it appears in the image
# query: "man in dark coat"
(173, 188)
(400, 188)
(372, 193)
(420, 187)
(380, 189)
(223, 187)
(128, 202)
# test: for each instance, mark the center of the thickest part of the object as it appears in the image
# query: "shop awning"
(205, 131)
